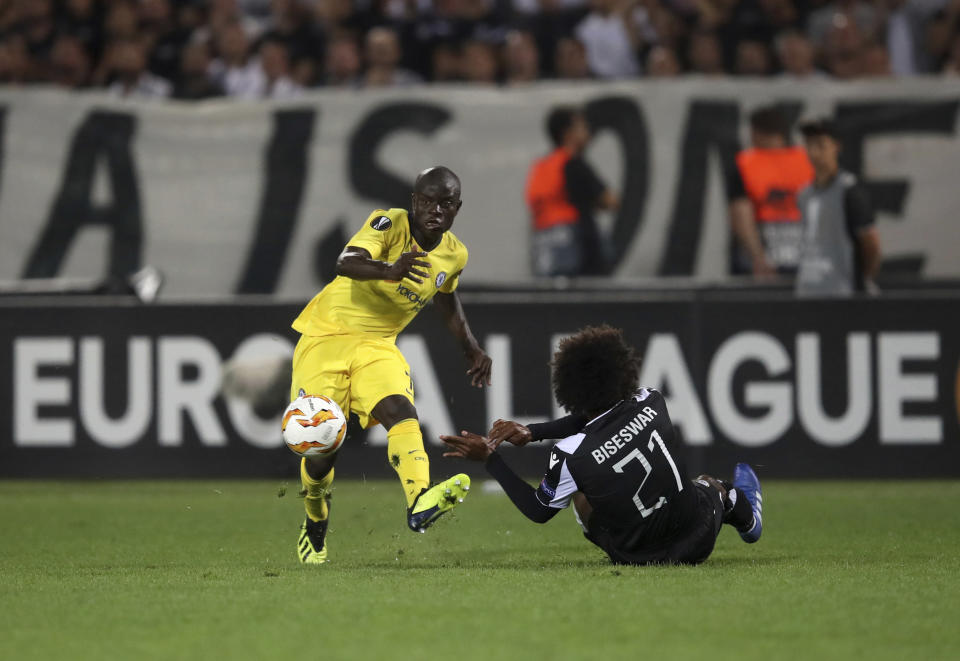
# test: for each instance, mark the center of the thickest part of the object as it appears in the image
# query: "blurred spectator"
(860, 15)
(521, 60)
(233, 70)
(334, 15)
(445, 63)
(70, 65)
(752, 59)
(342, 62)
(952, 66)
(705, 55)
(288, 21)
(126, 70)
(612, 35)
(274, 61)
(164, 42)
(193, 81)
(39, 30)
(14, 60)
(668, 24)
(843, 48)
(480, 41)
(570, 60)
(305, 72)
(545, 6)
(478, 63)
(795, 53)
(941, 34)
(121, 21)
(191, 19)
(662, 62)
(563, 193)
(762, 190)
(840, 247)
(83, 20)
(382, 55)
(221, 13)
(875, 62)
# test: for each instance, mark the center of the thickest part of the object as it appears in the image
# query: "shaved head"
(437, 174)
(434, 204)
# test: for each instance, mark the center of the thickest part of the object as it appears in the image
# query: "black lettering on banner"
(859, 120)
(101, 135)
(367, 177)
(327, 250)
(624, 118)
(710, 125)
(286, 174)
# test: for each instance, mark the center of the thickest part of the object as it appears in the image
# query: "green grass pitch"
(207, 570)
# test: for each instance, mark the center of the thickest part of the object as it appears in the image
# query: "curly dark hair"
(594, 369)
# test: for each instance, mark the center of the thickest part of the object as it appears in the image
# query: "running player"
(347, 351)
(617, 463)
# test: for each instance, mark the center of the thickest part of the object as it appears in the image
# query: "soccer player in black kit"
(616, 463)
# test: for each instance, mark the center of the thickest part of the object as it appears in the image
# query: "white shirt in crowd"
(148, 86)
(610, 54)
(249, 82)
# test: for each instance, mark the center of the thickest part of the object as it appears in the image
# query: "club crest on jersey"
(441, 278)
(381, 223)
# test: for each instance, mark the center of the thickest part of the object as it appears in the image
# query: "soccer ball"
(313, 425)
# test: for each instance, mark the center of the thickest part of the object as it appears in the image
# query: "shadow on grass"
(750, 560)
(559, 558)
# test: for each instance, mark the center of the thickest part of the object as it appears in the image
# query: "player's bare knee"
(318, 467)
(392, 409)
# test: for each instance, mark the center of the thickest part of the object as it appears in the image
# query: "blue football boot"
(746, 483)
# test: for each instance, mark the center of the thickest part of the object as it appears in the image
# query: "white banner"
(228, 197)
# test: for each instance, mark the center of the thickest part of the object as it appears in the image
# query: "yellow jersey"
(383, 308)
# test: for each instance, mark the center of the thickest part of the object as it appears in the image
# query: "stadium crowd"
(194, 49)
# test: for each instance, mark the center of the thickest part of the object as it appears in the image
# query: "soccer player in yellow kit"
(347, 351)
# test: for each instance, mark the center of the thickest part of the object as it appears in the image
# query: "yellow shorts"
(354, 371)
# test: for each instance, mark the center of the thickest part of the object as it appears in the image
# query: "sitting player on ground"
(387, 273)
(616, 461)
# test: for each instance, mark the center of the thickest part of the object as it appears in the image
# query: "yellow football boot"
(436, 501)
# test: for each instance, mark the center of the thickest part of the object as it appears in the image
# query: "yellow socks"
(315, 500)
(408, 458)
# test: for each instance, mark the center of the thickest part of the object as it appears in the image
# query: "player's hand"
(409, 265)
(509, 431)
(480, 366)
(468, 446)
(763, 269)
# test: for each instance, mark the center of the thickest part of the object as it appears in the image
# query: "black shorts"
(692, 546)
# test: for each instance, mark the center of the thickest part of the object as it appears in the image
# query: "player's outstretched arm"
(473, 446)
(510, 432)
(357, 264)
(480, 363)
(517, 434)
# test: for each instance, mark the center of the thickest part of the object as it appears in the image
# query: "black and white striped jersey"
(624, 462)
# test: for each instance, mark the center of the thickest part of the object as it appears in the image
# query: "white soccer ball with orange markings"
(313, 425)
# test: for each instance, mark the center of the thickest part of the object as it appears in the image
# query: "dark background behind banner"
(700, 323)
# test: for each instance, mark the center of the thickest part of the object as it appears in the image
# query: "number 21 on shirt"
(638, 455)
